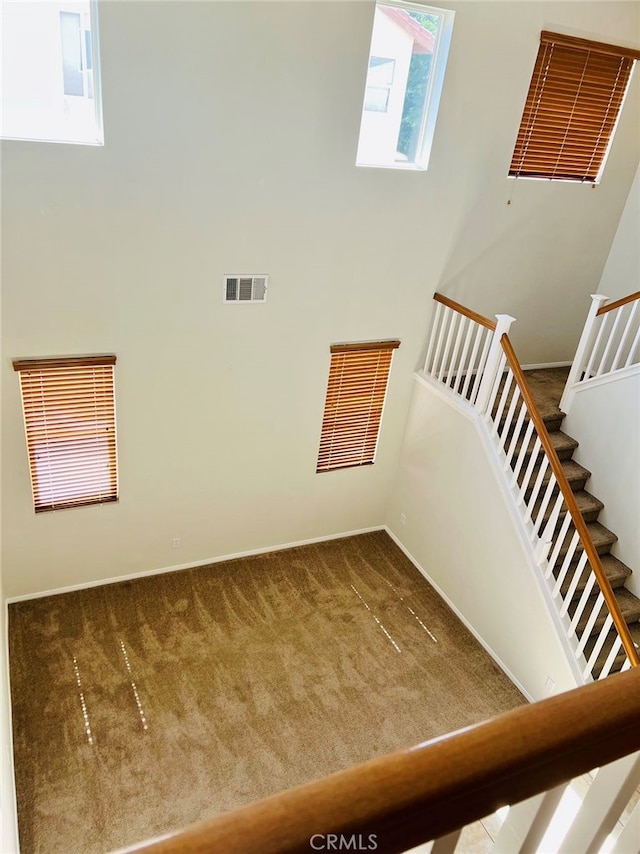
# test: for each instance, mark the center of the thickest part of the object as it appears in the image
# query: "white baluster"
(566, 563)
(432, 338)
(560, 539)
(575, 580)
(602, 367)
(527, 822)
(616, 647)
(517, 433)
(444, 365)
(591, 580)
(629, 839)
(593, 616)
(438, 355)
(602, 637)
(623, 338)
(471, 367)
(503, 325)
(630, 358)
(603, 804)
(463, 367)
(447, 844)
(484, 355)
(601, 337)
(584, 349)
(533, 459)
(544, 503)
(504, 396)
(531, 503)
(515, 397)
(455, 367)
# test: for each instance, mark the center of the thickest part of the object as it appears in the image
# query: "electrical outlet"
(550, 685)
(403, 519)
(176, 543)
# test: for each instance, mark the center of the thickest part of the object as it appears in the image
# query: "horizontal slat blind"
(356, 392)
(69, 413)
(572, 108)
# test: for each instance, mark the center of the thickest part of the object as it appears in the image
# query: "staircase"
(547, 386)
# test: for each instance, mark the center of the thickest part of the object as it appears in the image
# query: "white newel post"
(584, 346)
(493, 360)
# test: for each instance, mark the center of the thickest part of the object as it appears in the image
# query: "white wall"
(605, 419)
(621, 275)
(459, 531)
(231, 132)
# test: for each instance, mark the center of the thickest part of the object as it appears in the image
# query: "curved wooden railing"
(610, 342)
(567, 497)
(431, 790)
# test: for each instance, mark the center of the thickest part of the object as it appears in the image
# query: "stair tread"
(576, 474)
(574, 471)
(616, 571)
(601, 535)
(634, 631)
(564, 445)
(588, 505)
(629, 606)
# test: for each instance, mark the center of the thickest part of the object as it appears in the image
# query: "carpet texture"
(142, 706)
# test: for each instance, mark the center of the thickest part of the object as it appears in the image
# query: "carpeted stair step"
(564, 446)
(552, 421)
(616, 571)
(588, 505)
(634, 631)
(576, 474)
(602, 538)
(629, 605)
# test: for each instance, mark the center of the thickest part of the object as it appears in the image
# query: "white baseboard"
(543, 365)
(147, 572)
(461, 617)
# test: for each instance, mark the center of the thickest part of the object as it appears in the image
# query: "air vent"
(245, 288)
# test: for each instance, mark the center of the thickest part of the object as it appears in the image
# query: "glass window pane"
(406, 66)
(50, 64)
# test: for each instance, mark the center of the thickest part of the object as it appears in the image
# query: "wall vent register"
(245, 288)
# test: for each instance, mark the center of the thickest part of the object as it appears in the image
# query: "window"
(572, 108)
(357, 387)
(69, 415)
(50, 65)
(409, 47)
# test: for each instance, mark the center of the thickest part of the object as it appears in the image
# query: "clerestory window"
(407, 60)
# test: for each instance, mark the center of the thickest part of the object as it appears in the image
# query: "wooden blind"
(69, 414)
(572, 108)
(357, 387)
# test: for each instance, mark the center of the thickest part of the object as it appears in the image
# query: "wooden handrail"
(570, 500)
(456, 306)
(425, 792)
(619, 302)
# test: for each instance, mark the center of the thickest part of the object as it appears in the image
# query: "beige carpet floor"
(145, 705)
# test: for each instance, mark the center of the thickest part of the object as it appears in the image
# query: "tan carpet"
(145, 705)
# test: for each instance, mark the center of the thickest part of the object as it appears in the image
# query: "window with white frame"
(50, 72)
(407, 59)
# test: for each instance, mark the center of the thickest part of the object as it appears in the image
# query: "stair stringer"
(532, 547)
(604, 415)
